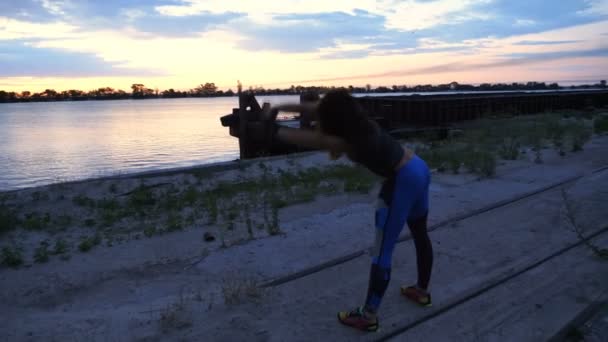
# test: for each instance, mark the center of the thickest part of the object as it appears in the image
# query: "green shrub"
(600, 124)
(487, 165)
(212, 209)
(60, 247)
(142, 197)
(89, 222)
(36, 221)
(83, 201)
(11, 257)
(150, 231)
(8, 219)
(579, 135)
(190, 196)
(41, 254)
(87, 243)
(509, 149)
(174, 222)
(455, 162)
(40, 196)
(481, 162)
(62, 221)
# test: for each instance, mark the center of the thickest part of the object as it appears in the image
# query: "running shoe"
(357, 319)
(416, 295)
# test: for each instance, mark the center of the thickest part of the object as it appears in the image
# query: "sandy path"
(123, 292)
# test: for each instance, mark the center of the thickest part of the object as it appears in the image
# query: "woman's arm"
(312, 139)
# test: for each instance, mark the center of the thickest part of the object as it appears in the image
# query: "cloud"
(352, 54)
(534, 56)
(19, 59)
(310, 32)
(546, 42)
(180, 26)
(142, 16)
(507, 61)
(25, 10)
(17, 29)
(139, 16)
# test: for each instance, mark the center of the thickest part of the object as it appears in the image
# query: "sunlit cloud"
(547, 42)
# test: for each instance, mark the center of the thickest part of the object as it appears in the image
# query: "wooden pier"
(413, 113)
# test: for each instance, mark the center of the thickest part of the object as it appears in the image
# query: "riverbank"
(137, 260)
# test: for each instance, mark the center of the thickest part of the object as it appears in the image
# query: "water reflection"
(42, 143)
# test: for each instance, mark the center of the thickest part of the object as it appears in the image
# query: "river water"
(48, 142)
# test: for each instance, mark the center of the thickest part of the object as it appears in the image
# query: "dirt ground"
(177, 286)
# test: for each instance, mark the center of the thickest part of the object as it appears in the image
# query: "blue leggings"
(403, 198)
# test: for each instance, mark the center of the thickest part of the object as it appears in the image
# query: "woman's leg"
(390, 219)
(424, 250)
(417, 222)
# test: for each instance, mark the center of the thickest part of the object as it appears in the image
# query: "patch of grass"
(579, 135)
(90, 222)
(11, 257)
(175, 316)
(190, 219)
(61, 247)
(238, 289)
(110, 217)
(202, 174)
(248, 222)
(600, 124)
(87, 243)
(303, 194)
(36, 221)
(455, 163)
(232, 213)
(210, 203)
(8, 219)
(150, 231)
(274, 228)
(41, 254)
(40, 196)
(481, 162)
(142, 197)
(108, 204)
(174, 222)
(83, 201)
(62, 221)
(110, 211)
(509, 149)
(191, 195)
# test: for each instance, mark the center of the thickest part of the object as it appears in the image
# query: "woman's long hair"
(341, 115)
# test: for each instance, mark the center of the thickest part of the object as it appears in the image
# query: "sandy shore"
(139, 283)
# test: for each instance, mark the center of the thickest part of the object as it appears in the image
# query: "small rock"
(209, 237)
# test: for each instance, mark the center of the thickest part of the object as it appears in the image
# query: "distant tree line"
(140, 91)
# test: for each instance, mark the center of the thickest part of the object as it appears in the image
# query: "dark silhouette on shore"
(140, 91)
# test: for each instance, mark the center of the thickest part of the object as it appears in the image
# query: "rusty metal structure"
(412, 113)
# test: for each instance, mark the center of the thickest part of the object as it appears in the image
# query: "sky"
(70, 44)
